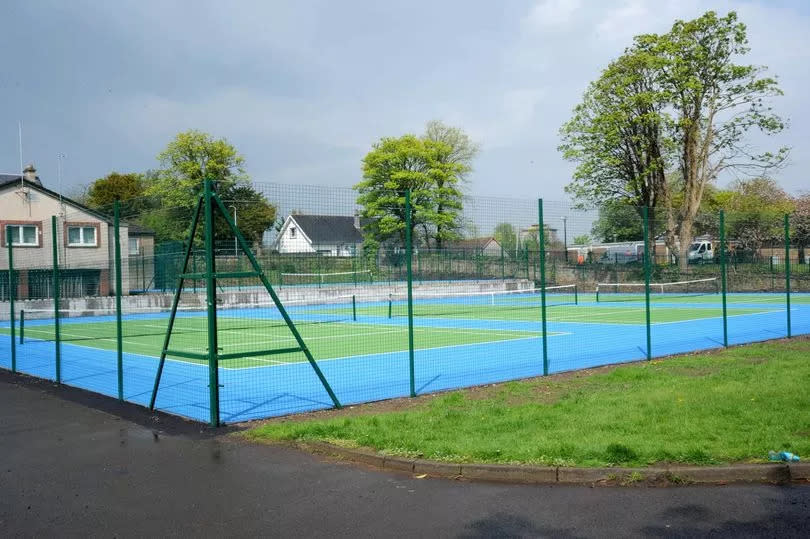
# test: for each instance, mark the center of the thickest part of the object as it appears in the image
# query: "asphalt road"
(68, 469)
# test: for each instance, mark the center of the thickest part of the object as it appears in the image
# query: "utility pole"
(565, 237)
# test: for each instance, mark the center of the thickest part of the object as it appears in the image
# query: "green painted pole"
(542, 239)
(56, 302)
(647, 279)
(787, 272)
(119, 338)
(408, 262)
(22, 326)
(211, 304)
(723, 275)
(354, 308)
(280, 306)
(12, 291)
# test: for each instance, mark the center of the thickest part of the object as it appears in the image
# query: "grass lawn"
(728, 406)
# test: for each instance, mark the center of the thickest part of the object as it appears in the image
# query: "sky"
(303, 89)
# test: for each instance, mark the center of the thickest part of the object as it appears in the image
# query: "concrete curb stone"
(506, 473)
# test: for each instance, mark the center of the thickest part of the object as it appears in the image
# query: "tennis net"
(101, 324)
(505, 305)
(609, 292)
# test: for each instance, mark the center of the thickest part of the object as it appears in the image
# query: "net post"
(646, 216)
(12, 291)
(787, 272)
(723, 277)
(408, 261)
(390, 302)
(119, 339)
(542, 242)
(211, 304)
(22, 326)
(576, 294)
(354, 308)
(56, 302)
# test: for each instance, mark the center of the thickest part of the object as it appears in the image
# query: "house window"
(82, 236)
(22, 235)
(292, 232)
(134, 246)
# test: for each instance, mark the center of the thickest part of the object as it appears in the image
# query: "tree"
(190, 158)
(755, 213)
(800, 223)
(582, 239)
(690, 116)
(395, 165)
(128, 188)
(506, 235)
(254, 214)
(462, 150)
(618, 222)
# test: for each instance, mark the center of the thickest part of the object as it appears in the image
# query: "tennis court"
(361, 342)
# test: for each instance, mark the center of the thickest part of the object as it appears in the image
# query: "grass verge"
(728, 406)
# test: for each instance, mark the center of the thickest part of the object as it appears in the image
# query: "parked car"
(700, 252)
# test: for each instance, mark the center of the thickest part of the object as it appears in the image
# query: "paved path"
(67, 469)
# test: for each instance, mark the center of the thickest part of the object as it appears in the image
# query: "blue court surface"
(453, 348)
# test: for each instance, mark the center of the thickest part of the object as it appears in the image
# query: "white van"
(700, 252)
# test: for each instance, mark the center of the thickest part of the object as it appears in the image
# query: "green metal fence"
(193, 318)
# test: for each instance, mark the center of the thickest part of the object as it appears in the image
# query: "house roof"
(138, 230)
(38, 186)
(322, 229)
(472, 243)
(11, 178)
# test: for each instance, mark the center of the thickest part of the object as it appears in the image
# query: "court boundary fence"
(209, 203)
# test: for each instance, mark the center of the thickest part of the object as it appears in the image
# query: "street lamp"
(565, 237)
(235, 241)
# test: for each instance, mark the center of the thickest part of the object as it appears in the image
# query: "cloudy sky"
(304, 88)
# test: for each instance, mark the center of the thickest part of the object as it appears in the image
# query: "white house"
(332, 235)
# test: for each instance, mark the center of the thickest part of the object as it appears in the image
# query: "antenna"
(19, 132)
(59, 158)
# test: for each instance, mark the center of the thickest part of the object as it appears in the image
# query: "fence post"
(723, 273)
(56, 302)
(542, 239)
(787, 271)
(211, 302)
(12, 291)
(646, 215)
(408, 261)
(119, 343)
(503, 269)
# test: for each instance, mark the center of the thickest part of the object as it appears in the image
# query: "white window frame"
(292, 232)
(17, 242)
(137, 246)
(81, 242)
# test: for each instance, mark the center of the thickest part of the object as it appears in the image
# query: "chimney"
(30, 173)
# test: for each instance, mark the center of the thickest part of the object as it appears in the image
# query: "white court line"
(555, 334)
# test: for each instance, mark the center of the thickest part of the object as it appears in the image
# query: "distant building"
(85, 242)
(332, 235)
(487, 246)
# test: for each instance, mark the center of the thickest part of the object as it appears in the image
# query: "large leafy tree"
(254, 214)
(800, 222)
(690, 118)
(618, 222)
(507, 236)
(129, 189)
(396, 165)
(755, 210)
(190, 158)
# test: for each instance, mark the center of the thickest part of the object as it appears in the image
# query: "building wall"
(287, 243)
(35, 207)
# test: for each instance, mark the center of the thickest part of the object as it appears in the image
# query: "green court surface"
(325, 340)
